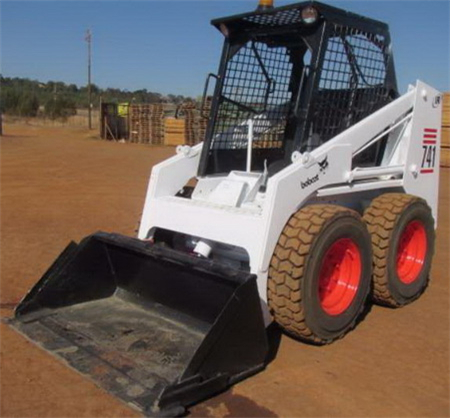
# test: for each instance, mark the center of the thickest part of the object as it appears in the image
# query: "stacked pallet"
(445, 133)
(147, 123)
(139, 123)
(174, 131)
(191, 119)
(157, 124)
(203, 121)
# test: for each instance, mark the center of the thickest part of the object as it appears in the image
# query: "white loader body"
(316, 190)
(230, 210)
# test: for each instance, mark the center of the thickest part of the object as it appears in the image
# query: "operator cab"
(295, 76)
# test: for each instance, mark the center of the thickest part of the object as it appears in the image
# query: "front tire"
(402, 231)
(319, 276)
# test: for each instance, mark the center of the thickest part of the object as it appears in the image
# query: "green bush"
(28, 105)
(60, 108)
(19, 104)
(9, 101)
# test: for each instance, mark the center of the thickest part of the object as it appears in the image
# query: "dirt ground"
(61, 184)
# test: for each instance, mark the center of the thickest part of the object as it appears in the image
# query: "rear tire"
(319, 275)
(402, 231)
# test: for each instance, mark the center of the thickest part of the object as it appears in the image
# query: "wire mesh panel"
(302, 82)
(351, 84)
(278, 18)
(256, 86)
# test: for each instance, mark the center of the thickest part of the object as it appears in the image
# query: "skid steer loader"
(316, 187)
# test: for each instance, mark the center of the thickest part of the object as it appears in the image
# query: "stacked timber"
(203, 120)
(139, 115)
(174, 131)
(195, 123)
(188, 127)
(147, 123)
(191, 118)
(157, 124)
(445, 133)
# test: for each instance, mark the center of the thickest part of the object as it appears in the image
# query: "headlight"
(309, 15)
(224, 30)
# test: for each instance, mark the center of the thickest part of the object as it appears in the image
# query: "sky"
(169, 46)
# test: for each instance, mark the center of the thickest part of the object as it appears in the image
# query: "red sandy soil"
(62, 184)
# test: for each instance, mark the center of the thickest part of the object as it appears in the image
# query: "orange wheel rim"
(339, 276)
(411, 252)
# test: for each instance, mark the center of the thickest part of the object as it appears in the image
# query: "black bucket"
(159, 329)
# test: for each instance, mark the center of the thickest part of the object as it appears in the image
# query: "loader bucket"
(159, 329)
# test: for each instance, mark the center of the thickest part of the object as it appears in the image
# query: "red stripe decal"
(430, 130)
(429, 142)
(430, 136)
(427, 170)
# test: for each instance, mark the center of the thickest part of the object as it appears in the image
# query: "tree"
(72, 88)
(28, 105)
(60, 108)
(10, 101)
(20, 104)
(13, 88)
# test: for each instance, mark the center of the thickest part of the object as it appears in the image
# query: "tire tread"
(288, 263)
(380, 218)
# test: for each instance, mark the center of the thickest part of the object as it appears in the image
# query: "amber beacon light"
(265, 4)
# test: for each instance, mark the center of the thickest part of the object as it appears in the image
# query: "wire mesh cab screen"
(351, 84)
(300, 83)
(255, 86)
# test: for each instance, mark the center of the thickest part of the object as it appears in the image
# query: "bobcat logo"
(310, 180)
(323, 164)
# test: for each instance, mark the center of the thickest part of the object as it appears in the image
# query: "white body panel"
(241, 217)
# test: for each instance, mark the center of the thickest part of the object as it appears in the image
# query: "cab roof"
(288, 17)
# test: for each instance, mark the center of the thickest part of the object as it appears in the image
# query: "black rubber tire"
(293, 280)
(386, 218)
